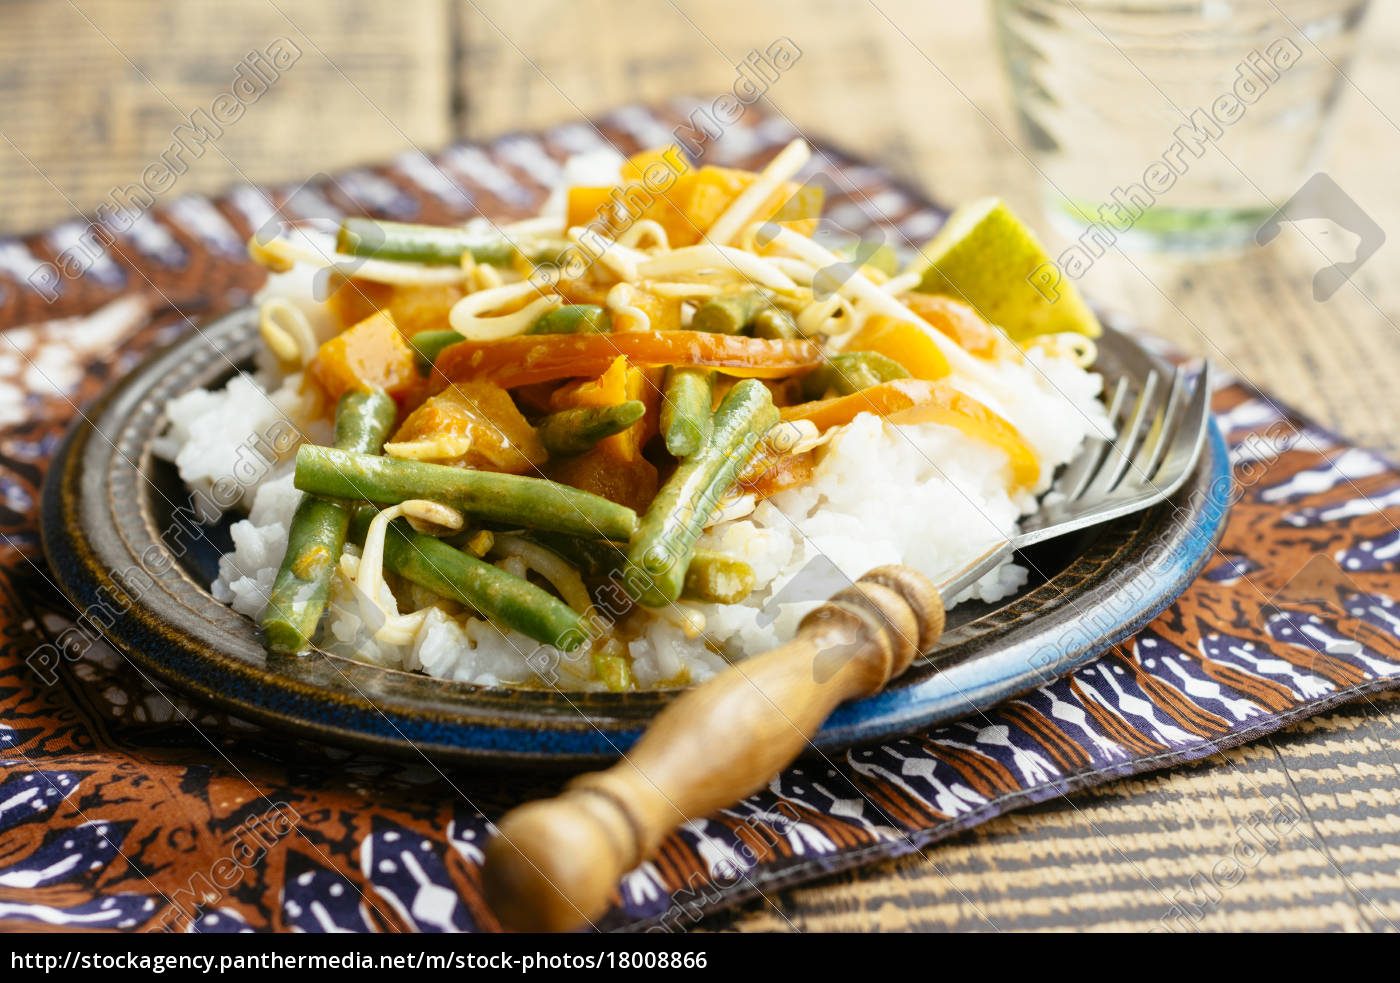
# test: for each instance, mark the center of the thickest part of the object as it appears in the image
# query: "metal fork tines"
(1160, 416)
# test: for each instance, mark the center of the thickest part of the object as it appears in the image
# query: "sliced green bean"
(532, 502)
(686, 417)
(428, 345)
(730, 313)
(659, 553)
(573, 319)
(316, 537)
(851, 372)
(775, 324)
(502, 598)
(613, 667)
(717, 578)
(574, 431)
(712, 577)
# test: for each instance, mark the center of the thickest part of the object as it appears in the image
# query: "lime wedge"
(987, 258)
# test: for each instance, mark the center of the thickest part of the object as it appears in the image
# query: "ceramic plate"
(111, 531)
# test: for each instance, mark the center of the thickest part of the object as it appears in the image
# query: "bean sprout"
(619, 303)
(465, 316)
(549, 565)
(789, 161)
(286, 331)
(684, 617)
(376, 601)
(281, 253)
(707, 256)
(645, 229)
(433, 449)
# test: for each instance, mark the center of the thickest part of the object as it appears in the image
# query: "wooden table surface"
(91, 90)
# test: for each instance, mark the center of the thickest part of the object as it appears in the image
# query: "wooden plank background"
(91, 90)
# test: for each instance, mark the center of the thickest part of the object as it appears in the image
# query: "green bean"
(717, 578)
(613, 667)
(851, 372)
(428, 345)
(531, 502)
(431, 244)
(435, 245)
(573, 319)
(775, 324)
(730, 313)
(686, 417)
(657, 556)
(502, 598)
(317, 533)
(714, 578)
(574, 431)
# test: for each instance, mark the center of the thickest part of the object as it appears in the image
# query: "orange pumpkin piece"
(626, 447)
(424, 308)
(657, 181)
(913, 401)
(662, 186)
(609, 389)
(646, 166)
(414, 309)
(650, 180)
(596, 470)
(714, 189)
(471, 425)
(351, 300)
(371, 354)
(589, 206)
(961, 323)
(908, 344)
(620, 383)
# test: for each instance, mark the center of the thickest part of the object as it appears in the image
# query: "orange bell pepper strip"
(912, 401)
(524, 359)
(961, 323)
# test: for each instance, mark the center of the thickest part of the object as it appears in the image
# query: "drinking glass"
(1177, 125)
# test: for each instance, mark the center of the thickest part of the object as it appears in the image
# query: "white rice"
(927, 496)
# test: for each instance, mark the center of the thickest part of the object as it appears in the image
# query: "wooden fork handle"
(554, 864)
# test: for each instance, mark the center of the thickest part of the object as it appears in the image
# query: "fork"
(553, 864)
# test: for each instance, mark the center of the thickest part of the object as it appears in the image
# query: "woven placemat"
(123, 806)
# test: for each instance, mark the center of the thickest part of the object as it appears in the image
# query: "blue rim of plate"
(102, 512)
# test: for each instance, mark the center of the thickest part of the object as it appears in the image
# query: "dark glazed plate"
(110, 531)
